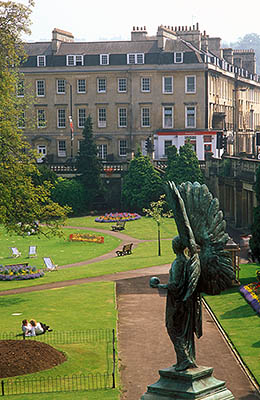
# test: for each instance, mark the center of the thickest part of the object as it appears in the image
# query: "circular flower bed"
(18, 273)
(114, 217)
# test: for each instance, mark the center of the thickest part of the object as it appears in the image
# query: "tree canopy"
(255, 228)
(183, 166)
(88, 165)
(141, 184)
(21, 202)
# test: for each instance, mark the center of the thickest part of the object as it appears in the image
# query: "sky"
(90, 20)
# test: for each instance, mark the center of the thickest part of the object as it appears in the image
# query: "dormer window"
(104, 59)
(41, 61)
(73, 60)
(178, 57)
(135, 58)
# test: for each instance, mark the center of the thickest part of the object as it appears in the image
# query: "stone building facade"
(174, 86)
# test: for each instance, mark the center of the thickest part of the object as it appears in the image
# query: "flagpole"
(71, 124)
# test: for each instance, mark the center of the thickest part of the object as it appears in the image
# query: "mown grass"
(81, 307)
(239, 320)
(143, 228)
(60, 249)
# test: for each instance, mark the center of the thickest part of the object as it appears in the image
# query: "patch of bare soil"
(19, 357)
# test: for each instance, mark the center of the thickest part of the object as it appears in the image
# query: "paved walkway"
(144, 346)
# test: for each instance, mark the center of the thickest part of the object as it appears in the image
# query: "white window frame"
(145, 117)
(20, 88)
(187, 123)
(165, 89)
(167, 117)
(73, 60)
(81, 88)
(62, 150)
(102, 117)
(38, 88)
(122, 148)
(99, 81)
(41, 118)
(104, 59)
(58, 82)
(42, 152)
(41, 61)
(135, 58)
(187, 89)
(102, 151)
(21, 120)
(120, 85)
(146, 84)
(61, 119)
(81, 117)
(178, 57)
(122, 119)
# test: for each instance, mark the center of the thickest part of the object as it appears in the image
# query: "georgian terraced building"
(174, 86)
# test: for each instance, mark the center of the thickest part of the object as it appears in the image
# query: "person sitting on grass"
(38, 328)
(26, 327)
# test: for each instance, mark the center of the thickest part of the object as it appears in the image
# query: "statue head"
(177, 245)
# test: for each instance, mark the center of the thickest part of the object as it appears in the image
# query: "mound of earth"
(19, 357)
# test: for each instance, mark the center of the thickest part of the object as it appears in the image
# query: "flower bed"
(114, 217)
(18, 273)
(86, 237)
(251, 292)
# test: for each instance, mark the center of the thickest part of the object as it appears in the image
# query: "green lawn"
(143, 228)
(239, 320)
(81, 307)
(60, 249)
(93, 304)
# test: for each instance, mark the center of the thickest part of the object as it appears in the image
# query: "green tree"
(141, 184)
(70, 192)
(88, 165)
(183, 166)
(156, 211)
(21, 202)
(255, 228)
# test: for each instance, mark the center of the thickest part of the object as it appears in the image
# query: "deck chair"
(15, 252)
(49, 264)
(32, 251)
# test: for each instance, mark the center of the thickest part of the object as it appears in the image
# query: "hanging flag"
(71, 127)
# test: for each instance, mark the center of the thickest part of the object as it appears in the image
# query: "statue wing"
(176, 203)
(208, 226)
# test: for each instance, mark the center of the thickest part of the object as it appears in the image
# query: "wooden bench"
(126, 250)
(120, 226)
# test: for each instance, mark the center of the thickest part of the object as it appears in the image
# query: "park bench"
(126, 250)
(119, 226)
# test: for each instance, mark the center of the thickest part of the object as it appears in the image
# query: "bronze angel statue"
(201, 265)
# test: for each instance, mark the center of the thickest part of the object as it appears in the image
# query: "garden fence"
(56, 384)
(82, 382)
(65, 337)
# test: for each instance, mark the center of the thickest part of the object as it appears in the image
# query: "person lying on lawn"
(38, 328)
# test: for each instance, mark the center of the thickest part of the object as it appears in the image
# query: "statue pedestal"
(194, 383)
